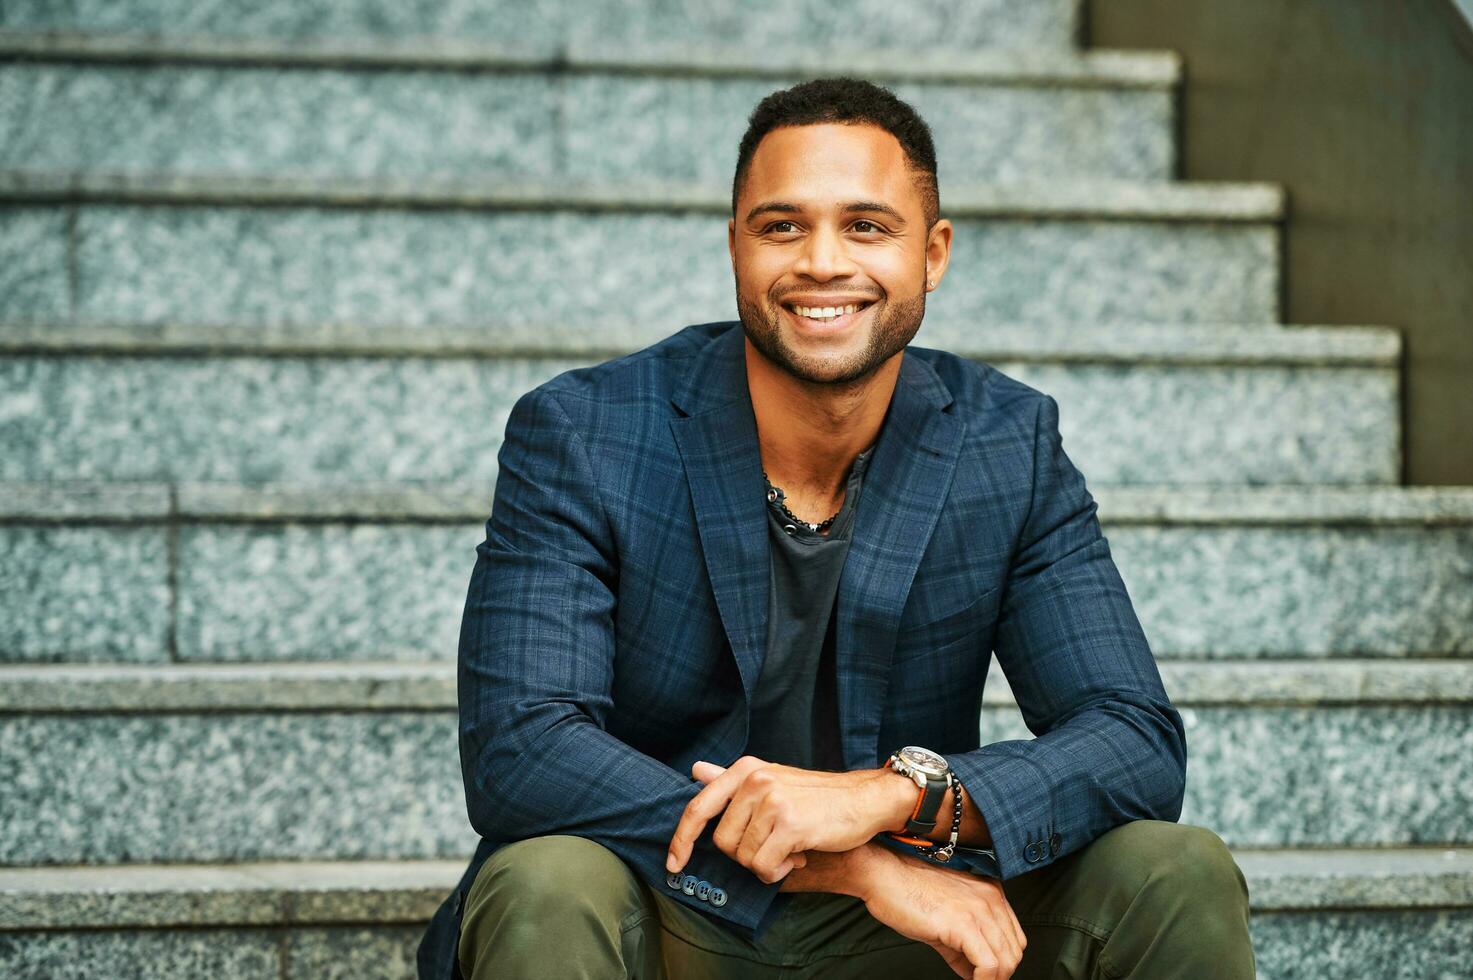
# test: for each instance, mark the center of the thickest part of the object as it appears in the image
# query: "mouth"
(828, 319)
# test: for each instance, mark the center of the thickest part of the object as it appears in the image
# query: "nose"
(825, 256)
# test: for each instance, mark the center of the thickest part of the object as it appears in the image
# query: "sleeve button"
(703, 890)
(718, 897)
(1053, 844)
(688, 884)
(672, 879)
(1030, 853)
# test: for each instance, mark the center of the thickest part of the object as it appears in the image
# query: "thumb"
(706, 771)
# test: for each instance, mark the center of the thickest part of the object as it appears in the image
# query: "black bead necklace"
(776, 496)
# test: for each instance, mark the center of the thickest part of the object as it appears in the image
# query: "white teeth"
(826, 312)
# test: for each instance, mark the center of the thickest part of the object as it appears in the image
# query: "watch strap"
(928, 803)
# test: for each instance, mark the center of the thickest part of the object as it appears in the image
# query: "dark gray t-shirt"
(795, 710)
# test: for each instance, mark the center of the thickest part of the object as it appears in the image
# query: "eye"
(869, 226)
(778, 226)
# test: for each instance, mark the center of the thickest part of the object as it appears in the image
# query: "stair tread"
(1126, 344)
(425, 685)
(1217, 201)
(313, 892)
(1136, 69)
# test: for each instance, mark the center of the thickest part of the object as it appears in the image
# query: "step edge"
(1118, 69)
(1124, 200)
(282, 893)
(375, 686)
(1211, 345)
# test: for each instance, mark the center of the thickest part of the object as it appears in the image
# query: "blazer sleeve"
(1109, 746)
(536, 663)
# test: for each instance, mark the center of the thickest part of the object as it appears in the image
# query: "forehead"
(831, 162)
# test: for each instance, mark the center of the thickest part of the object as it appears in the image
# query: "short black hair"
(850, 101)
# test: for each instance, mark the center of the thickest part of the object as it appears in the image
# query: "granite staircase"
(272, 278)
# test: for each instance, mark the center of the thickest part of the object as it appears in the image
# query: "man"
(724, 645)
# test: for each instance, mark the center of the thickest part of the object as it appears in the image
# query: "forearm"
(837, 872)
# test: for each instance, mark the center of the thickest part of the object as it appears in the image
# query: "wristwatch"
(932, 775)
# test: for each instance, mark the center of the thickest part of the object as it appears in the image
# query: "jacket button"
(688, 884)
(703, 890)
(718, 897)
(1030, 853)
(673, 879)
(1053, 844)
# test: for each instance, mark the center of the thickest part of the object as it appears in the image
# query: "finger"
(706, 771)
(799, 859)
(755, 837)
(732, 828)
(775, 852)
(698, 812)
(981, 955)
(955, 959)
(996, 946)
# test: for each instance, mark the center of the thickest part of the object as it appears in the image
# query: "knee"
(1182, 865)
(555, 872)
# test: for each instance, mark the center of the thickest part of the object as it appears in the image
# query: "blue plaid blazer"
(615, 622)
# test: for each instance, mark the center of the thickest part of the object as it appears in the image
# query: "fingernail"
(670, 863)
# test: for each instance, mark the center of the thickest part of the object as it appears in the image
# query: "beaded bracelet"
(943, 852)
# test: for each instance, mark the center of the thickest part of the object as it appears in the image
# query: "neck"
(810, 433)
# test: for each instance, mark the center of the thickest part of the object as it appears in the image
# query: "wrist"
(898, 796)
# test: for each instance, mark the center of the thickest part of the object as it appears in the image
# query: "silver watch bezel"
(921, 763)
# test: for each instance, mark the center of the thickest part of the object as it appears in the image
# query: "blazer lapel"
(904, 488)
(718, 447)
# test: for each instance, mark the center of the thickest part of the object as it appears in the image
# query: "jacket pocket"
(972, 621)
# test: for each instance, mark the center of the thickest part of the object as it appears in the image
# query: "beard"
(895, 325)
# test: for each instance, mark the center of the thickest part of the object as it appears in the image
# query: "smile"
(827, 316)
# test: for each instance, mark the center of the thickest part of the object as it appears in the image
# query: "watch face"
(924, 760)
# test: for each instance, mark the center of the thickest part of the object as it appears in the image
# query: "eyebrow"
(853, 207)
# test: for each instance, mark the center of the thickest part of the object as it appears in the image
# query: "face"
(830, 220)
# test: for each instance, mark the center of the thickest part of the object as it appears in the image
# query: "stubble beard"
(896, 324)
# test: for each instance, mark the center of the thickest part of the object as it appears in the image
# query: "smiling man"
(725, 642)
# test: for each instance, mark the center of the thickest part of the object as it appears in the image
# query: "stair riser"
(585, 126)
(251, 266)
(249, 419)
(231, 786)
(543, 28)
(395, 591)
(1287, 946)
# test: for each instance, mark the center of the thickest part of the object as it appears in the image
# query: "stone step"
(1343, 913)
(547, 28)
(1180, 404)
(486, 253)
(104, 104)
(217, 572)
(119, 764)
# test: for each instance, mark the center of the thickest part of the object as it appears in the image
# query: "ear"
(938, 252)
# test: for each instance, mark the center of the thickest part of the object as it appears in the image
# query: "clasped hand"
(773, 813)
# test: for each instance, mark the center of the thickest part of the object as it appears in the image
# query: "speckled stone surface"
(1387, 945)
(417, 420)
(230, 787)
(196, 119)
(1228, 425)
(1320, 776)
(329, 592)
(1310, 591)
(255, 420)
(33, 272)
(236, 954)
(1051, 24)
(214, 120)
(83, 593)
(275, 266)
(689, 129)
(348, 954)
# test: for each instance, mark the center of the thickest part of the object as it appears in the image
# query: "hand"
(965, 918)
(773, 813)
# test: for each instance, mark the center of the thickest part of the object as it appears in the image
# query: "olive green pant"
(1146, 899)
